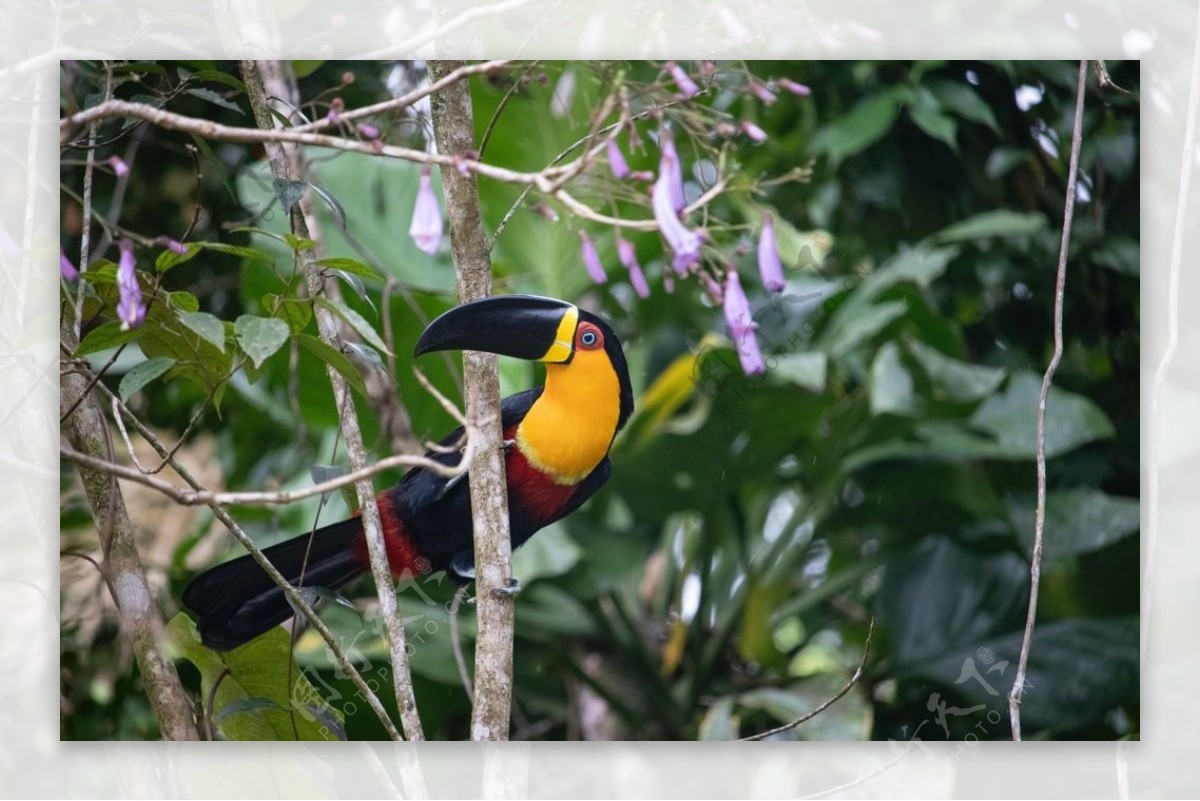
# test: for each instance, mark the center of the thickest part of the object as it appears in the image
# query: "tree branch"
(454, 131)
(122, 569)
(287, 164)
(1039, 525)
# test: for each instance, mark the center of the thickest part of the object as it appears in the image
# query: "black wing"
(437, 510)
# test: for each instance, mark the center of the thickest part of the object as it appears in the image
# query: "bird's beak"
(523, 326)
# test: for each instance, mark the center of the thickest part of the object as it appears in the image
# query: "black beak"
(523, 326)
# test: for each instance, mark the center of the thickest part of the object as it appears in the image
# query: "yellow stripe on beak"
(564, 338)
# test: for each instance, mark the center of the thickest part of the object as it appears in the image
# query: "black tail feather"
(237, 601)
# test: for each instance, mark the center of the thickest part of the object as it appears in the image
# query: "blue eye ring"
(589, 339)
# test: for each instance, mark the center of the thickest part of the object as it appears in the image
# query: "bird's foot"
(511, 587)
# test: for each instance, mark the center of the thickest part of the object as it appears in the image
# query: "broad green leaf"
(355, 320)
(252, 701)
(1003, 160)
(805, 370)
(105, 336)
(551, 553)
(334, 359)
(846, 332)
(1011, 418)
(1077, 520)
(955, 380)
(206, 326)
(1079, 669)
(719, 723)
(183, 301)
(296, 312)
(142, 374)
(260, 337)
(959, 98)
(936, 124)
(858, 129)
(998, 223)
(302, 68)
(891, 385)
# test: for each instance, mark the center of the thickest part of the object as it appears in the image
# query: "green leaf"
(335, 208)
(961, 99)
(296, 312)
(105, 336)
(334, 359)
(260, 337)
(1000, 223)
(1003, 160)
(891, 385)
(936, 124)
(219, 77)
(207, 326)
(719, 723)
(861, 127)
(848, 719)
(957, 381)
(805, 370)
(169, 258)
(1079, 669)
(252, 700)
(355, 320)
(183, 301)
(845, 333)
(352, 266)
(1011, 418)
(551, 553)
(142, 374)
(210, 96)
(1077, 520)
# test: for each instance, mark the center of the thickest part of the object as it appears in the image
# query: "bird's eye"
(588, 339)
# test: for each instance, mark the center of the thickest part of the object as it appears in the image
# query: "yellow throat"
(570, 427)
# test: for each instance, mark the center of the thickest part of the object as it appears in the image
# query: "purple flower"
(616, 160)
(669, 169)
(753, 131)
(685, 244)
(667, 201)
(119, 167)
(762, 92)
(793, 87)
(769, 266)
(426, 227)
(130, 308)
(741, 325)
(367, 130)
(591, 260)
(687, 87)
(173, 245)
(66, 267)
(628, 257)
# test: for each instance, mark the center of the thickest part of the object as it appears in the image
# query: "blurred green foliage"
(722, 582)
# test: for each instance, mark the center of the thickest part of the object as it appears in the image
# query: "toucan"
(556, 444)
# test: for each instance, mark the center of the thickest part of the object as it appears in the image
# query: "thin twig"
(862, 665)
(201, 497)
(406, 100)
(1039, 525)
